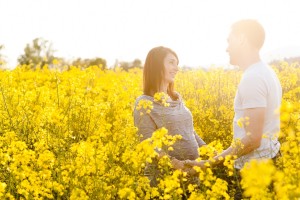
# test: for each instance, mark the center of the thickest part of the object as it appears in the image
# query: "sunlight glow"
(125, 30)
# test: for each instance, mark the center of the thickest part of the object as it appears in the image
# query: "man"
(256, 122)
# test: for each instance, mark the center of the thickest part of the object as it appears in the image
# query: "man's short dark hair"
(253, 31)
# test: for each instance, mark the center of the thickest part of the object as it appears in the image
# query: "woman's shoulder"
(143, 97)
(179, 98)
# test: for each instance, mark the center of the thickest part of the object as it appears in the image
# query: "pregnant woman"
(160, 69)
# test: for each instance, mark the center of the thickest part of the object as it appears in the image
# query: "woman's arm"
(199, 140)
(145, 124)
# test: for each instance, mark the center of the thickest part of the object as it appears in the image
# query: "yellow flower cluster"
(70, 135)
(243, 122)
(162, 97)
(257, 177)
(144, 106)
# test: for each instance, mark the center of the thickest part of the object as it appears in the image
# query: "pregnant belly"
(185, 149)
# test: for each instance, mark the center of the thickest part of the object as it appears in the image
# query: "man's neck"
(249, 60)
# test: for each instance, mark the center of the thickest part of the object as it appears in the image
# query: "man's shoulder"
(252, 77)
(257, 72)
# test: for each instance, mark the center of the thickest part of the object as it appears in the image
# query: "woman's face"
(171, 68)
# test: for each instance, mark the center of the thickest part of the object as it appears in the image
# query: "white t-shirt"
(259, 87)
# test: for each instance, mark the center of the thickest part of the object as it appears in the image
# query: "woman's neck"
(164, 88)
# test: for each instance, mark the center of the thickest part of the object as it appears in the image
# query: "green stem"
(6, 107)
(57, 92)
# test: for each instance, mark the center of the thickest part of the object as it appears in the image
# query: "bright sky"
(127, 29)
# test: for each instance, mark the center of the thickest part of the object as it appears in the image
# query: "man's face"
(233, 48)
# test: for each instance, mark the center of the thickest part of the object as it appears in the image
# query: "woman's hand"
(177, 164)
(193, 163)
(190, 164)
(190, 171)
(187, 165)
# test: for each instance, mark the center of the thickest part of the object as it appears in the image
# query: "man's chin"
(232, 63)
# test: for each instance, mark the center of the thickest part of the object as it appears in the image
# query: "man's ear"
(243, 39)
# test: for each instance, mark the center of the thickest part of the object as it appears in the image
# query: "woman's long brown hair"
(154, 71)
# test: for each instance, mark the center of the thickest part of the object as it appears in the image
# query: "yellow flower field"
(70, 135)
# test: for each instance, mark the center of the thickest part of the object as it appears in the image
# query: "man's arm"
(254, 129)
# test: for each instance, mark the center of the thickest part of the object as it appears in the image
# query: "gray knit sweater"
(177, 118)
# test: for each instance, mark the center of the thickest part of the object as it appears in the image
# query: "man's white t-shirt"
(259, 87)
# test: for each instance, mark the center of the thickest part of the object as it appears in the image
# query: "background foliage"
(70, 135)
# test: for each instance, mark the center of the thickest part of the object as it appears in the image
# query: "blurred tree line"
(40, 53)
(288, 60)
